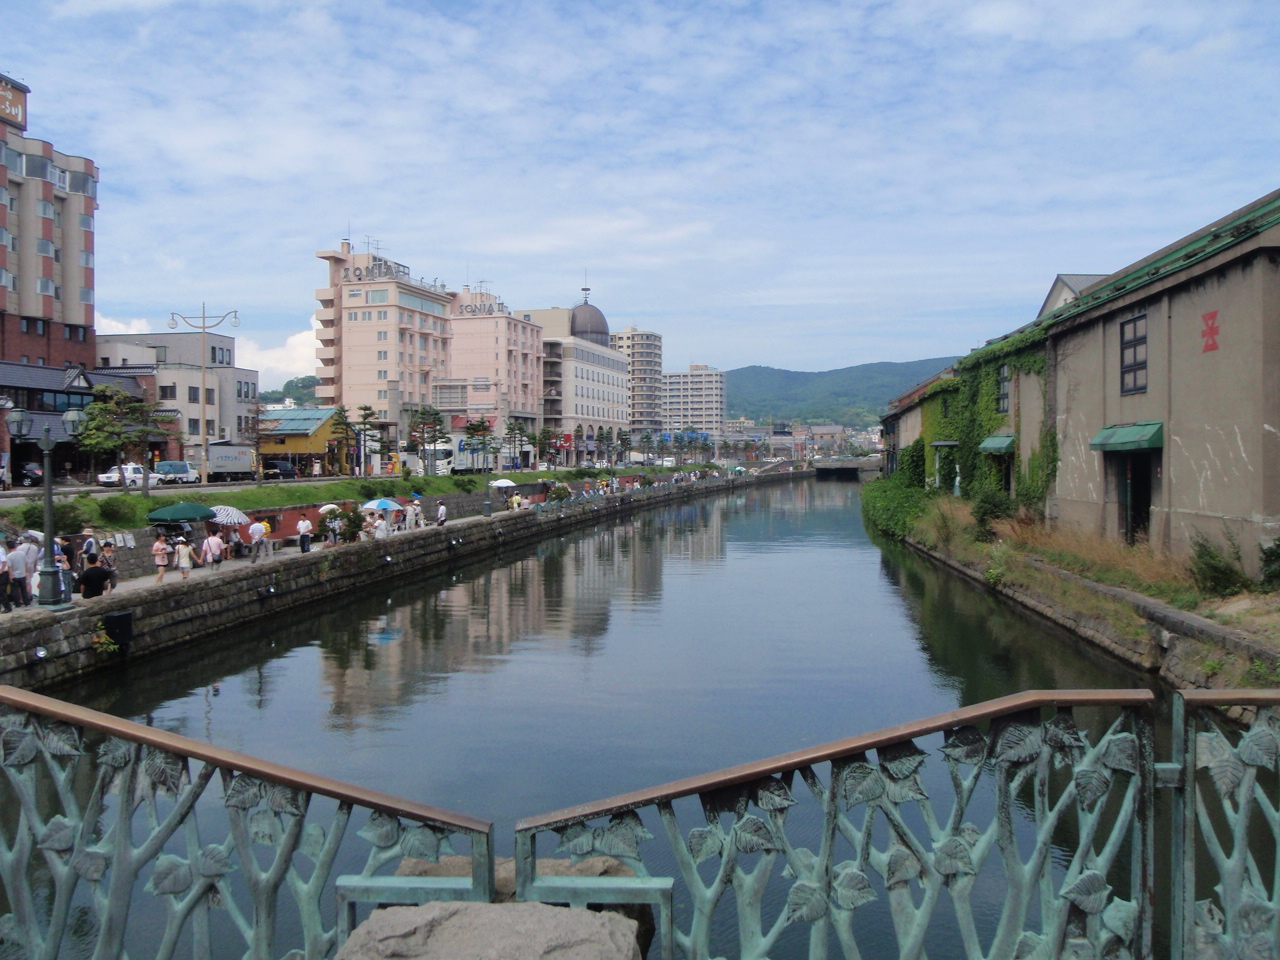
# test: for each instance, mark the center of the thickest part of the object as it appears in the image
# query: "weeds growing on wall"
(1216, 572)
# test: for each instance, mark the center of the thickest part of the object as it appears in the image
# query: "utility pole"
(204, 323)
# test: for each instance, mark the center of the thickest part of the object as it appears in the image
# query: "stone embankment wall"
(179, 612)
(1184, 650)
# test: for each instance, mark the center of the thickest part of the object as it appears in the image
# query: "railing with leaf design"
(93, 805)
(875, 833)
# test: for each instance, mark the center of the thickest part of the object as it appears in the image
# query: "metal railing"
(1017, 828)
(94, 805)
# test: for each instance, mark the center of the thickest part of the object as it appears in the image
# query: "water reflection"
(675, 642)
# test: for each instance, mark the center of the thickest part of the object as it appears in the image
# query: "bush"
(119, 510)
(352, 524)
(990, 505)
(559, 493)
(367, 491)
(1270, 565)
(68, 517)
(646, 480)
(466, 484)
(1214, 572)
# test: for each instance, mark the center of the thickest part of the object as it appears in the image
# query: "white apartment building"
(496, 362)
(643, 350)
(384, 337)
(47, 203)
(585, 380)
(694, 400)
(213, 398)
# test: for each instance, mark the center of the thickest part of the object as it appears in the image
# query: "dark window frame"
(1133, 356)
(1002, 396)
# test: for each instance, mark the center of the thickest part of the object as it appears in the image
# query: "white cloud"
(296, 357)
(110, 325)
(888, 164)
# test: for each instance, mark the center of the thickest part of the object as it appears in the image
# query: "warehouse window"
(1133, 356)
(1002, 398)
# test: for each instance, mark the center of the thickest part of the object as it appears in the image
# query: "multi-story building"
(204, 389)
(584, 378)
(384, 337)
(47, 203)
(643, 350)
(494, 348)
(694, 400)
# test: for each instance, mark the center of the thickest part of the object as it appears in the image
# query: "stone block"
(491, 931)
(504, 882)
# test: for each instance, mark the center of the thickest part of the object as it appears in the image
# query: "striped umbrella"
(229, 517)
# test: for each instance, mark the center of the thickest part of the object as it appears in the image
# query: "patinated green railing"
(92, 806)
(877, 834)
(1017, 828)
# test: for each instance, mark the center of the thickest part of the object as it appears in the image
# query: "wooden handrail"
(229, 759)
(1231, 698)
(745, 773)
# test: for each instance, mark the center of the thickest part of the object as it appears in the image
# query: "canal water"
(672, 643)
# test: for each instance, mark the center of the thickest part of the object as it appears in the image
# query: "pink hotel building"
(47, 203)
(397, 344)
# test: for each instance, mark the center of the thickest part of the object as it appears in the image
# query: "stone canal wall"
(1184, 650)
(40, 647)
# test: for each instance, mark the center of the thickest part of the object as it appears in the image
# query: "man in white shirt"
(19, 574)
(441, 513)
(4, 580)
(258, 540)
(304, 534)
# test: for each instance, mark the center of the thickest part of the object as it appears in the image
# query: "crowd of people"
(91, 569)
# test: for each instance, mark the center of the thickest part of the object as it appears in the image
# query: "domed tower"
(588, 322)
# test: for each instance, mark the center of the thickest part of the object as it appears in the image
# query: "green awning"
(998, 443)
(1129, 436)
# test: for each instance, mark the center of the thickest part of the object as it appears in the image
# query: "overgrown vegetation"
(1217, 573)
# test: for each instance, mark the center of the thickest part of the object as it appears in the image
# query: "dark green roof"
(998, 443)
(1129, 436)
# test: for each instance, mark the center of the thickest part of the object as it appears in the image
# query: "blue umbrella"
(381, 504)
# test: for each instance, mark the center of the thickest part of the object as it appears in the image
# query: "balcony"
(326, 294)
(327, 355)
(326, 391)
(326, 315)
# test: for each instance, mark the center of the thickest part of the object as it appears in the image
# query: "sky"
(801, 185)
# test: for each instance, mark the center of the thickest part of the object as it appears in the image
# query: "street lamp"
(204, 324)
(20, 422)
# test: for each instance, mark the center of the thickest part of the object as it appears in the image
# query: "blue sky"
(803, 185)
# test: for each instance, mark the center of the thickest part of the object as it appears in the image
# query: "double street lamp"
(20, 423)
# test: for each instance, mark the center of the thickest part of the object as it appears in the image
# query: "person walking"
(95, 580)
(381, 529)
(160, 551)
(304, 534)
(19, 574)
(89, 545)
(213, 549)
(107, 559)
(441, 513)
(258, 540)
(186, 556)
(4, 581)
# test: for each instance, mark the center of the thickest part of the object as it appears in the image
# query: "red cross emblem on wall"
(1210, 331)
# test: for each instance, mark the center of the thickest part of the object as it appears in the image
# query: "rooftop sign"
(13, 102)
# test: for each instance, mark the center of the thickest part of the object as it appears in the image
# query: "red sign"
(1210, 331)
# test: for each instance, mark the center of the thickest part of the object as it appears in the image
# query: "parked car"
(279, 470)
(177, 471)
(30, 475)
(132, 477)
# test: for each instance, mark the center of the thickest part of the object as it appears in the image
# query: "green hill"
(853, 396)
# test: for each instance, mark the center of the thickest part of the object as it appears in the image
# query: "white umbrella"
(331, 508)
(229, 516)
(504, 482)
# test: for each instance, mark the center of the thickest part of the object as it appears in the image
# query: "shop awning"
(1129, 436)
(998, 443)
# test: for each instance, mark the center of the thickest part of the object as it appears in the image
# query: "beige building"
(584, 378)
(216, 391)
(694, 399)
(493, 347)
(47, 205)
(384, 337)
(643, 350)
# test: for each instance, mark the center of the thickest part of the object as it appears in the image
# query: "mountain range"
(852, 396)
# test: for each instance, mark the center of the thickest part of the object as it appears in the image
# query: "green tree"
(344, 435)
(514, 439)
(646, 445)
(578, 442)
(546, 443)
(680, 444)
(604, 443)
(125, 425)
(426, 432)
(478, 433)
(624, 444)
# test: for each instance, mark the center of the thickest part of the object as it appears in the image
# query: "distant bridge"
(848, 468)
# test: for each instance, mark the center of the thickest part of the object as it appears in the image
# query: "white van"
(177, 471)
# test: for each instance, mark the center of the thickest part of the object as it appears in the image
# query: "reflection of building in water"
(561, 594)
